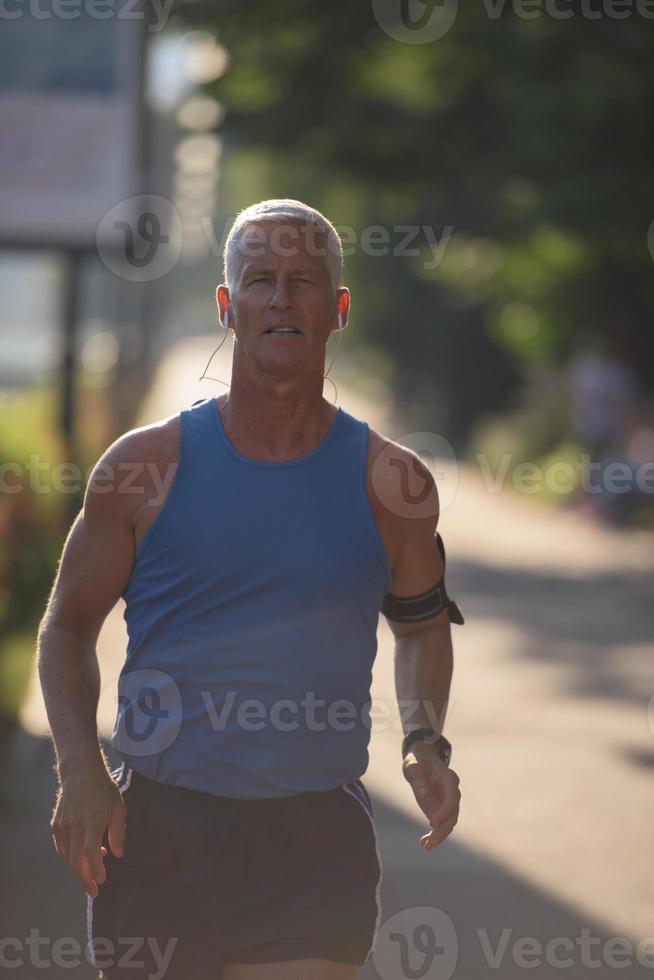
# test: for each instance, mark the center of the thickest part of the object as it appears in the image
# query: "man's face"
(282, 280)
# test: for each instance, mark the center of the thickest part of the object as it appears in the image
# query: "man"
(237, 838)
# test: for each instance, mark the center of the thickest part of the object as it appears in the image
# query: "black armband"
(413, 609)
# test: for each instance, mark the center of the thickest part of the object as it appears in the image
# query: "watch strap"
(442, 744)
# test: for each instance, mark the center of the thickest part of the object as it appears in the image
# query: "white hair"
(288, 211)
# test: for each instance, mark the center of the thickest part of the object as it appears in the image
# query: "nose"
(280, 298)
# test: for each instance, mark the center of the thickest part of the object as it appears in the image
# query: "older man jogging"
(237, 840)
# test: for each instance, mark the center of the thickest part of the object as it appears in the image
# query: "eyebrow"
(268, 271)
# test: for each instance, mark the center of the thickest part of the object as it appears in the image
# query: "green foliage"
(35, 519)
(16, 658)
(32, 527)
(525, 135)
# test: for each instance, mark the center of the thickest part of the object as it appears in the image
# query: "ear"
(222, 299)
(342, 306)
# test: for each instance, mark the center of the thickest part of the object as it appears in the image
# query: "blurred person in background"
(610, 421)
(604, 391)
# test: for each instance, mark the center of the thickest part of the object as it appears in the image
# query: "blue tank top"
(252, 610)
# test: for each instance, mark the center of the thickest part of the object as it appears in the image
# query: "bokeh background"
(489, 167)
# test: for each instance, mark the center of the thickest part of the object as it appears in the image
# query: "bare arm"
(423, 670)
(93, 570)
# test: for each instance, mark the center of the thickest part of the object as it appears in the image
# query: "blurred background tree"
(524, 136)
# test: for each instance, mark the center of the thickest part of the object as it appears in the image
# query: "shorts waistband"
(153, 788)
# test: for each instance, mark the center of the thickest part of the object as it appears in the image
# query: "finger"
(61, 840)
(448, 795)
(440, 772)
(117, 831)
(441, 814)
(439, 833)
(81, 864)
(436, 807)
(92, 845)
(445, 781)
(447, 809)
(436, 790)
(430, 808)
(436, 837)
(435, 840)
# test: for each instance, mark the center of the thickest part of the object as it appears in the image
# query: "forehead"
(282, 243)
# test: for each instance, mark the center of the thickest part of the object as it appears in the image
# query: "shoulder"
(157, 442)
(132, 464)
(401, 484)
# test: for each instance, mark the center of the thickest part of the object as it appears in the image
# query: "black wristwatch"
(428, 735)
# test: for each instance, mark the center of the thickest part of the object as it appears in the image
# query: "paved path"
(553, 675)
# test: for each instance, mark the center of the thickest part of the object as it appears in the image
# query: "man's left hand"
(436, 789)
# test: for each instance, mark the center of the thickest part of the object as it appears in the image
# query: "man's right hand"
(88, 802)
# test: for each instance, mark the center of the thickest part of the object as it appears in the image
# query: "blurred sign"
(70, 123)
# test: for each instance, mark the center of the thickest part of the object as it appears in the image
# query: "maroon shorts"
(208, 879)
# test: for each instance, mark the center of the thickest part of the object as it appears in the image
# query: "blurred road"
(549, 868)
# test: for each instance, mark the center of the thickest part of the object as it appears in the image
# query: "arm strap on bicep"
(413, 609)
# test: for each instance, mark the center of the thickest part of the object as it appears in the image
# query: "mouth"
(283, 330)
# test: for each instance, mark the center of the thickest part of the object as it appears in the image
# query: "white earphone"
(226, 319)
(340, 322)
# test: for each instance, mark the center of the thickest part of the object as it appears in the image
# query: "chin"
(283, 363)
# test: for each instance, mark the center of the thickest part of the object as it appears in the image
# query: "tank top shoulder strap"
(197, 425)
(353, 436)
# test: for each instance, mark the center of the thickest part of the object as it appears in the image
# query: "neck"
(275, 422)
